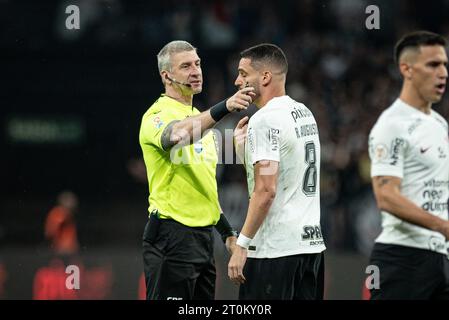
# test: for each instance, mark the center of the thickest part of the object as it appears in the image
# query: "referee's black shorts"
(409, 273)
(297, 277)
(178, 261)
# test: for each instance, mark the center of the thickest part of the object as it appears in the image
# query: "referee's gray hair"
(163, 57)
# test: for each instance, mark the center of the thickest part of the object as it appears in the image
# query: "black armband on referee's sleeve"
(224, 228)
(218, 111)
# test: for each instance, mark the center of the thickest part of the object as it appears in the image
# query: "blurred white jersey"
(286, 131)
(411, 145)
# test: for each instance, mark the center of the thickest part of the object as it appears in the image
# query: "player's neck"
(186, 99)
(268, 95)
(414, 99)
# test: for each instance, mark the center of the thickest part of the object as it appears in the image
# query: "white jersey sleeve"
(387, 147)
(264, 140)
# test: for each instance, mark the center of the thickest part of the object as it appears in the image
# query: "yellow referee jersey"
(182, 181)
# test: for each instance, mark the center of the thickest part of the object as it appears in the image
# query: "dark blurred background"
(71, 102)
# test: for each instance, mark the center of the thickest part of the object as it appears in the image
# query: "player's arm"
(387, 190)
(191, 129)
(265, 182)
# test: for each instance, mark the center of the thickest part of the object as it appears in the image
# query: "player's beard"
(256, 87)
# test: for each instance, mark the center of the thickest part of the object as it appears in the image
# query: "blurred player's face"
(186, 68)
(428, 73)
(248, 77)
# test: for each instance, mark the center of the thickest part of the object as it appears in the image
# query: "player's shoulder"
(392, 120)
(263, 118)
(159, 104)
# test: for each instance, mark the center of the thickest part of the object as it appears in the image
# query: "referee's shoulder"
(155, 108)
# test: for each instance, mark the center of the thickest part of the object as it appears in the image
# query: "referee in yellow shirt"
(184, 208)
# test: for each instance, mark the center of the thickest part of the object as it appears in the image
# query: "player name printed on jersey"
(307, 130)
(285, 131)
(411, 145)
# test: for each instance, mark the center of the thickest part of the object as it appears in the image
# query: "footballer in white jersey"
(414, 146)
(279, 252)
(286, 131)
(409, 151)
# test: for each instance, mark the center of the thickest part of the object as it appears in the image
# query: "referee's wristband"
(224, 228)
(243, 241)
(218, 111)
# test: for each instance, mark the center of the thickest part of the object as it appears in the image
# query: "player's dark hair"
(417, 39)
(266, 53)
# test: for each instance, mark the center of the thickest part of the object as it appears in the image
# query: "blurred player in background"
(409, 150)
(181, 166)
(281, 235)
(60, 226)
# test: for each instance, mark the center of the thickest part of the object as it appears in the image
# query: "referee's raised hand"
(241, 99)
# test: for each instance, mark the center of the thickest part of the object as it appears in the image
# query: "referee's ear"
(164, 77)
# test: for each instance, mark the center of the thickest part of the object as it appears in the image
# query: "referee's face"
(429, 73)
(186, 70)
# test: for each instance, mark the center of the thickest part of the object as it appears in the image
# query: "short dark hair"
(417, 39)
(266, 53)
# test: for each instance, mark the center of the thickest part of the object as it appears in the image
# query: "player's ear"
(406, 70)
(267, 76)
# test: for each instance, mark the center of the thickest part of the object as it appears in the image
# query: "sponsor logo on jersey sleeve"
(396, 148)
(273, 138)
(251, 139)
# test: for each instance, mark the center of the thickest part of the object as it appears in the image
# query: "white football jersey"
(286, 131)
(411, 145)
